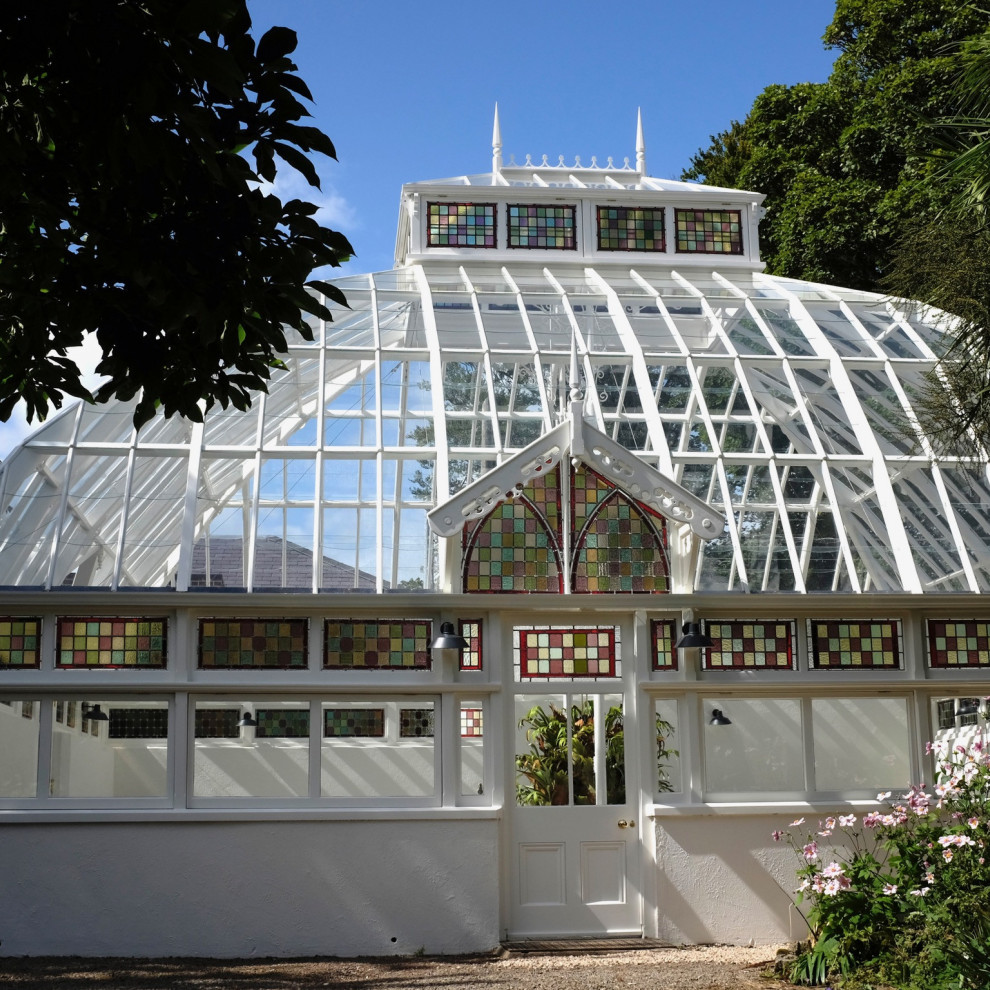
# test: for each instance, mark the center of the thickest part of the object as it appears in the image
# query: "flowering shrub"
(903, 892)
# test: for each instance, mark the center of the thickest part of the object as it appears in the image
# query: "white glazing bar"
(124, 512)
(545, 400)
(641, 374)
(898, 537)
(486, 360)
(316, 573)
(64, 500)
(252, 534)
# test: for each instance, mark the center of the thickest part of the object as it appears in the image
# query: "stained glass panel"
(342, 723)
(623, 228)
(461, 225)
(415, 723)
(472, 723)
(709, 231)
(852, 645)
(663, 636)
(515, 548)
(762, 645)
(566, 652)
(217, 723)
(541, 227)
(282, 723)
(399, 644)
(110, 642)
(20, 642)
(620, 550)
(138, 723)
(258, 643)
(470, 629)
(958, 643)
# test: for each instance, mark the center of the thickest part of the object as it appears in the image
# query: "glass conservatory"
(553, 572)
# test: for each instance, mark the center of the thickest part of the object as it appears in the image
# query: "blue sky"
(407, 91)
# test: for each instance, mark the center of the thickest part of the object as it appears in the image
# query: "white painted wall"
(229, 889)
(717, 880)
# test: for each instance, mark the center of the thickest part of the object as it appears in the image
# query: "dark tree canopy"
(134, 135)
(843, 162)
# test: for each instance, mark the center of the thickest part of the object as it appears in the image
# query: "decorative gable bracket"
(577, 439)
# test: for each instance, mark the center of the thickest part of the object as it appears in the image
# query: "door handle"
(626, 824)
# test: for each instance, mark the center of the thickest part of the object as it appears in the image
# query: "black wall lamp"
(718, 718)
(692, 635)
(247, 721)
(448, 639)
(94, 713)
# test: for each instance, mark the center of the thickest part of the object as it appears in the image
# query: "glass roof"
(785, 405)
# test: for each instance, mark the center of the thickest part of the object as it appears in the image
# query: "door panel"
(574, 835)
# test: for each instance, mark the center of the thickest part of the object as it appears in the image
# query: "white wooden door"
(575, 828)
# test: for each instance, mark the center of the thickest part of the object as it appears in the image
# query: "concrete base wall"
(722, 879)
(249, 888)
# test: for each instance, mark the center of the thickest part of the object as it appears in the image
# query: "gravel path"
(708, 967)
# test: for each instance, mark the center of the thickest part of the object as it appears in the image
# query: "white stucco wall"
(717, 880)
(231, 889)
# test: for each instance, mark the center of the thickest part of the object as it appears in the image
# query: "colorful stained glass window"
(415, 723)
(567, 652)
(855, 645)
(515, 548)
(461, 225)
(257, 643)
(662, 633)
(709, 231)
(345, 723)
(958, 643)
(470, 629)
(398, 644)
(472, 723)
(217, 723)
(760, 645)
(619, 548)
(138, 723)
(541, 227)
(20, 642)
(624, 228)
(105, 642)
(282, 723)
(618, 544)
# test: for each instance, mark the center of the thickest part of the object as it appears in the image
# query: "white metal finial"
(640, 143)
(496, 146)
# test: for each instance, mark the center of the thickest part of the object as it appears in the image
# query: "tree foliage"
(136, 137)
(843, 162)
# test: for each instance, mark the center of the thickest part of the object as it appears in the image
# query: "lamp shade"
(95, 713)
(247, 721)
(449, 639)
(718, 718)
(693, 636)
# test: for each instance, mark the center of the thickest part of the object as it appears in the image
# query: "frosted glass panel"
(761, 750)
(860, 743)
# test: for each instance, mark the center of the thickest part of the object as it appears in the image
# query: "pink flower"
(883, 795)
(833, 870)
(796, 822)
(890, 888)
(871, 819)
(920, 892)
(832, 887)
(777, 835)
(973, 822)
(830, 823)
(947, 855)
(810, 851)
(847, 821)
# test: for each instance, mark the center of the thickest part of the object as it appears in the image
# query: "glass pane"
(256, 748)
(19, 748)
(541, 750)
(668, 755)
(109, 749)
(472, 731)
(759, 748)
(374, 748)
(860, 743)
